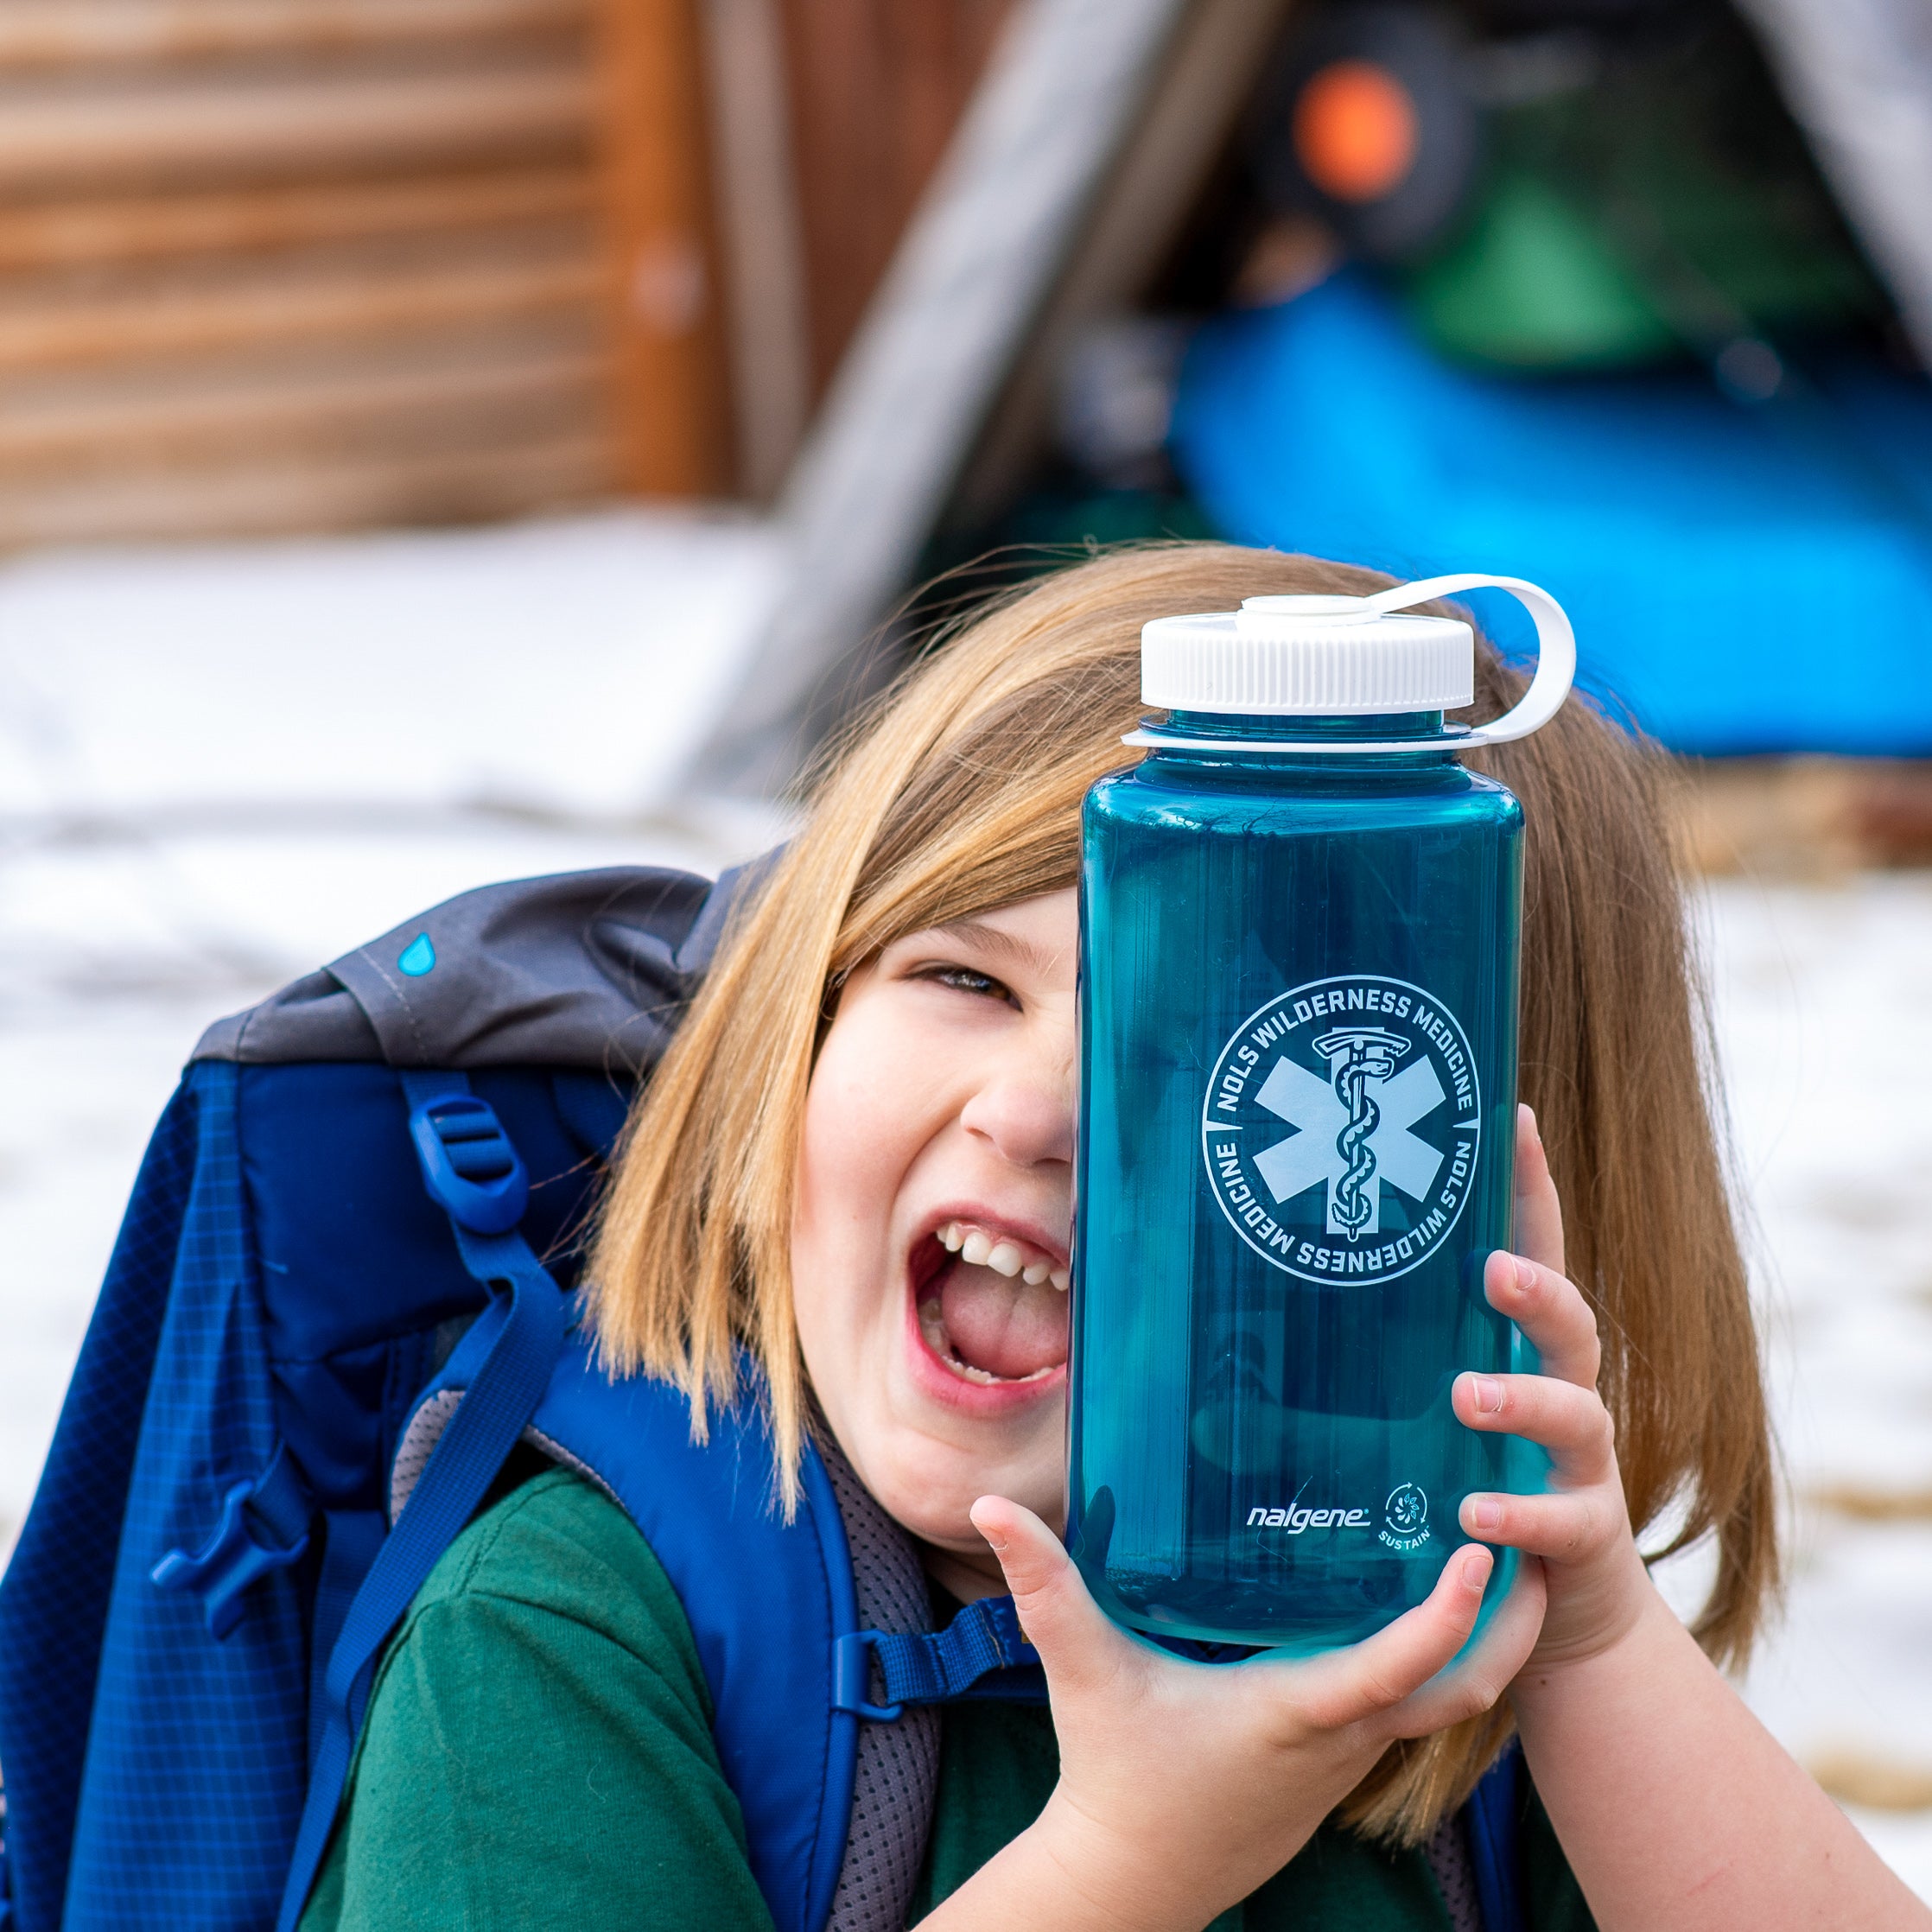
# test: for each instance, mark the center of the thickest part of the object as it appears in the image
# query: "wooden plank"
(674, 424)
(71, 326)
(51, 33)
(877, 88)
(125, 230)
(760, 242)
(1809, 817)
(273, 499)
(419, 402)
(266, 125)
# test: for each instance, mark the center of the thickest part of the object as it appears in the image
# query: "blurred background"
(443, 439)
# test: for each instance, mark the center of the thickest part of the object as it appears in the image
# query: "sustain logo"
(1405, 1519)
(1341, 1127)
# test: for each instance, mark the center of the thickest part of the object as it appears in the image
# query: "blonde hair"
(959, 791)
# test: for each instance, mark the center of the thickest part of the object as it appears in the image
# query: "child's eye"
(965, 979)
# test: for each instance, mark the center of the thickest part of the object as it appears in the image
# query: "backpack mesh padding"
(1455, 1873)
(898, 1774)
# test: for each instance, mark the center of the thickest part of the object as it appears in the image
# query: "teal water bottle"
(1299, 920)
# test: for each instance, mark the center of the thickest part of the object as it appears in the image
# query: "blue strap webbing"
(932, 1667)
(518, 1338)
(1494, 1814)
(352, 1540)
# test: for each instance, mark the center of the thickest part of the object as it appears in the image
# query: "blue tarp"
(1742, 579)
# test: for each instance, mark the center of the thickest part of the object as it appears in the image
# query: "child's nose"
(1027, 1119)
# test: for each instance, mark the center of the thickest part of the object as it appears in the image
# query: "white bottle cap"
(1330, 656)
(1307, 657)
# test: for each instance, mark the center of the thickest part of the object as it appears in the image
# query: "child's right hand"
(1184, 1786)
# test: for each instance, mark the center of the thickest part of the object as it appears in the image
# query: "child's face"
(929, 1247)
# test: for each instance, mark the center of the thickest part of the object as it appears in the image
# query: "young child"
(854, 1168)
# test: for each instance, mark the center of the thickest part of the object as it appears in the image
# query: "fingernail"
(1526, 1276)
(996, 1541)
(1486, 1515)
(1529, 1114)
(1489, 1396)
(1475, 1569)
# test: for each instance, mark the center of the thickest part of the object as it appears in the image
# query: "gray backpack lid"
(583, 970)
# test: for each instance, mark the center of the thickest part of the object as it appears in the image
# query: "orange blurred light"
(1355, 130)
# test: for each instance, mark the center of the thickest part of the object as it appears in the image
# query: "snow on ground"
(217, 770)
(1826, 1033)
(563, 666)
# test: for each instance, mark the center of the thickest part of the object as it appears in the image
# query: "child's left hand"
(1581, 1529)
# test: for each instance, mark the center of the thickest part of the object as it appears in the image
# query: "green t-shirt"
(538, 1753)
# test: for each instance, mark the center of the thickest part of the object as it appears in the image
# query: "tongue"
(1001, 1325)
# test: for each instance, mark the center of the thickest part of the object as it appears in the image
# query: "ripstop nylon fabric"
(239, 1770)
(54, 1600)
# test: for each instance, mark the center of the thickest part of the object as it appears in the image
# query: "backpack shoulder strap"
(794, 1623)
(765, 1600)
(1495, 1816)
(504, 1362)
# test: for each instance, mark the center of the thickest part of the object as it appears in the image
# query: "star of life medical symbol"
(1340, 1128)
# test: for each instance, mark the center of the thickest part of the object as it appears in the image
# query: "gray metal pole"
(1858, 75)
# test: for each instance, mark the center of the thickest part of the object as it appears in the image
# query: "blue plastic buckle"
(232, 1559)
(469, 1163)
(852, 1657)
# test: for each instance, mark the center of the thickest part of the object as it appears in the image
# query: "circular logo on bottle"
(1405, 1519)
(1341, 1126)
(1407, 1509)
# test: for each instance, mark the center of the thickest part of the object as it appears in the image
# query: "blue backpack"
(340, 1298)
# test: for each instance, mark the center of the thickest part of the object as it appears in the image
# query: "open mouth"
(992, 1305)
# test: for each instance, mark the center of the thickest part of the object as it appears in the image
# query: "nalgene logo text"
(1297, 1519)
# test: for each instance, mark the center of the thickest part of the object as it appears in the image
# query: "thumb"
(1060, 1619)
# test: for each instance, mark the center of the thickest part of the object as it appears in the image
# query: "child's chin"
(930, 1480)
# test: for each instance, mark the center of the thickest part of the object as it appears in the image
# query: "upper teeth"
(1006, 1257)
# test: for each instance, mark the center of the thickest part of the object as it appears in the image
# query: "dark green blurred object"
(1104, 516)
(1665, 204)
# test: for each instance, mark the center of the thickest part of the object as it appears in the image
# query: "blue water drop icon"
(418, 957)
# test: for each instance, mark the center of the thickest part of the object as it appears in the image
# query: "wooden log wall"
(878, 87)
(278, 266)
